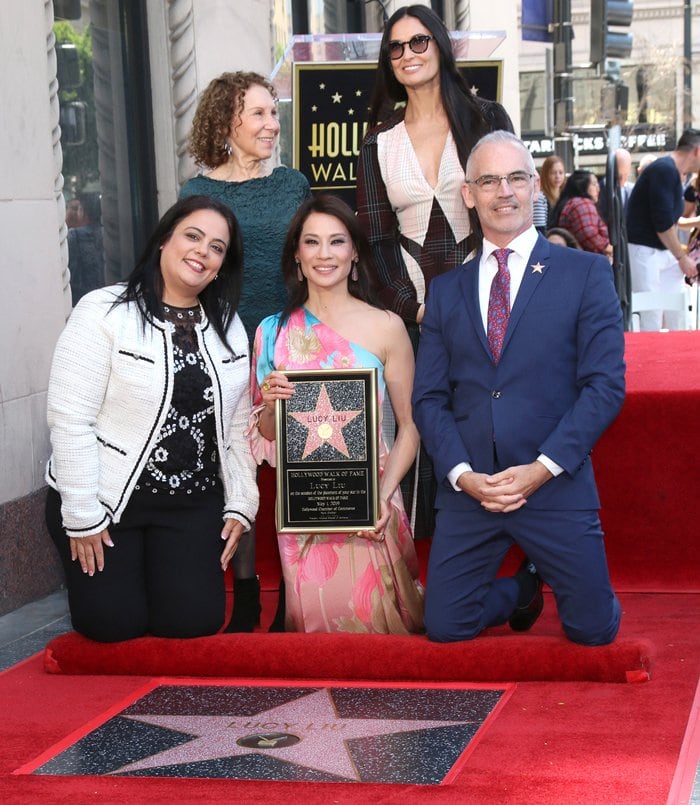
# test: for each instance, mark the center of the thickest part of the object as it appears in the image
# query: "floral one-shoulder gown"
(338, 582)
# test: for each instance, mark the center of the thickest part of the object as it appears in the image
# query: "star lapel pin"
(537, 268)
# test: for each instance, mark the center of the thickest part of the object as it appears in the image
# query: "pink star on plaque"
(325, 425)
(537, 268)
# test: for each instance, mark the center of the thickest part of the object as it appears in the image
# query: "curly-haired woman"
(234, 133)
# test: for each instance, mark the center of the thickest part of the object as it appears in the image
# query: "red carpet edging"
(513, 658)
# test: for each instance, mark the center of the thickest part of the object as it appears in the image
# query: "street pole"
(562, 35)
(687, 66)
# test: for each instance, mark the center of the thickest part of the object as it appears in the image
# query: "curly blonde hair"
(223, 98)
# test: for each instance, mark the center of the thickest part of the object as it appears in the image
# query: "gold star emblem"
(337, 97)
(537, 268)
(325, 424)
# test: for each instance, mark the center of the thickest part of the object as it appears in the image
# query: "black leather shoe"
(524, 617)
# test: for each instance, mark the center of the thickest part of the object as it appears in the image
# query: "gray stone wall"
(29, 568)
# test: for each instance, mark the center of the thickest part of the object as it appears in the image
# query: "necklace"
(181, 312)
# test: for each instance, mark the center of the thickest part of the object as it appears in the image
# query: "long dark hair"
(467, 120)
(576, 186)
(298, 292)
(219, 299)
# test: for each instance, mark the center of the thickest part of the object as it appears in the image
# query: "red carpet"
(647, 467)
(553, 742)
(574, 741)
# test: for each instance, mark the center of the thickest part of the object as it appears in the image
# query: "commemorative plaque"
(327, 452)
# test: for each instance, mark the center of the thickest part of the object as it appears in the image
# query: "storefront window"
(106, 138)
(650, 124)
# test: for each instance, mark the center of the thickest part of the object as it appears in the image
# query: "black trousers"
(162, 577)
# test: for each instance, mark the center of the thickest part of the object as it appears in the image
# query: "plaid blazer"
(416, 232)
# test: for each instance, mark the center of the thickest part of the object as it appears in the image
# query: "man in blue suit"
(520, 370)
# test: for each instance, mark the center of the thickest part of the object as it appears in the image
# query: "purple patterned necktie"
(499, 304)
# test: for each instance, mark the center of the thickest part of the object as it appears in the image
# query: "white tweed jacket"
(109, 393)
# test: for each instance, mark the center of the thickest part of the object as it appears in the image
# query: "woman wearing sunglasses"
(410, 174)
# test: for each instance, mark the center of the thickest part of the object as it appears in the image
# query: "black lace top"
(184, 458)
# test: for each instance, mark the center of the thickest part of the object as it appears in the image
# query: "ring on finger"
(266, 385)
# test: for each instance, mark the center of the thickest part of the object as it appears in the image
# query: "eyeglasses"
(418, 44)
(488, 183)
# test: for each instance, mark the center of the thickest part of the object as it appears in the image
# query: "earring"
(227, 148)
(300, 276)
(354, 275)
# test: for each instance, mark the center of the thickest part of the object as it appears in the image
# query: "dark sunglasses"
(418, 44)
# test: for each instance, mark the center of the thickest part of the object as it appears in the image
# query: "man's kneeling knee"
(593, 637)
(441, 632)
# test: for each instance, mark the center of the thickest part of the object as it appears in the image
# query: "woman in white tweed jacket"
(152, 480)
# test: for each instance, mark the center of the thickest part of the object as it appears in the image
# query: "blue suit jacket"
(558, 385)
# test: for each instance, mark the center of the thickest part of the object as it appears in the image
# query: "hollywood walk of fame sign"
(331, 103)
(327, 452)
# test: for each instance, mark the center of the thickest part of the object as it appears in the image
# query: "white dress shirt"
(521, 248)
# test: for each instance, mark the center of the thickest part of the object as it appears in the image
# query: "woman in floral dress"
(363, 581)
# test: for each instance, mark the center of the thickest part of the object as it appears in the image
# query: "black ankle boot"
(277, 624)
(246, 605)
